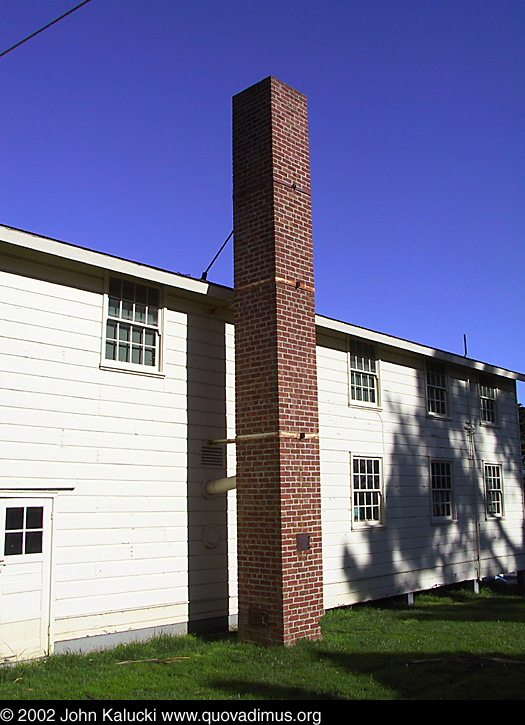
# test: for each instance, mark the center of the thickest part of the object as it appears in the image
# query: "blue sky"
(115, 132)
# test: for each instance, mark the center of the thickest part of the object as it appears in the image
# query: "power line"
(205, 274)
(5, 52)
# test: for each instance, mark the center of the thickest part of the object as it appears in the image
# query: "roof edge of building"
(198, 287)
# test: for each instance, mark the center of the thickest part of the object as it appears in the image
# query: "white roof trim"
(73, 253)
(414, 347)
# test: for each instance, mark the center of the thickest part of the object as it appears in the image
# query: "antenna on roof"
(205, 274)
(465, 345)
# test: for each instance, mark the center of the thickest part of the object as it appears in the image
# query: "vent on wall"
(212, 456)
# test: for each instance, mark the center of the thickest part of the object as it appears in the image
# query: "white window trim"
(156, 371)
(431, 414)
(360, 525)
(443, 519)
(488, 515)
(377, 375)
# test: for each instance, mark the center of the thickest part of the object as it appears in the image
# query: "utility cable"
(5, 52)
(205, 274)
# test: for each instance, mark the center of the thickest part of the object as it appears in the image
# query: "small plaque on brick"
(303, 542)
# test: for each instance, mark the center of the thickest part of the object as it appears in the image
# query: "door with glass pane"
(25, 560)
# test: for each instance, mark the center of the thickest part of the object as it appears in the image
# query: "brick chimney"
(278, 470)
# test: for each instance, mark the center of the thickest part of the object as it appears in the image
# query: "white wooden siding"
(120, 442)
(129, 544)
(409, 552)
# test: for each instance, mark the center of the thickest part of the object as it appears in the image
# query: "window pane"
(14, 518)
(34, 517)
(149, 357)
(140, 313)
(13, 544)
(33, 542)
(149, 337)
(128, 290)
(141, 294)
(153, 297)
(115, 287)
(111, 330)
(136, 355)
(127, 310)
(114, 307)
(111, 351)
(123, 352)
(153, 316)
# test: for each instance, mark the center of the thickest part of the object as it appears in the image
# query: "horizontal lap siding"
(409, 552)
(207, 363)
(120, 441)
(128, 538)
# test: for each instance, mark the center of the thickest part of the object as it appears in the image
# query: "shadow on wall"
(411, 551)
(207, 517)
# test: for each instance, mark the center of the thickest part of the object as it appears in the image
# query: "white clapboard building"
(117, 388)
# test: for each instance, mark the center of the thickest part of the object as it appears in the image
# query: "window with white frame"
(487, 402)
(132, 324)
(493, 490)
(442, 491)
(23, 530)
(437, 396)
(367, 490)
(363, 373)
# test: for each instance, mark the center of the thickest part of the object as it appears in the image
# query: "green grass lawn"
(451, 644)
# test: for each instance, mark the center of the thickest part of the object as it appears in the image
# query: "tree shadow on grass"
(426, 674)
(397, 677)
(453, 603)
(454, 676)
(263, 691)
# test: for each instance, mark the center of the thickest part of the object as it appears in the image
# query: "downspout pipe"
(470, 430)
(221, 485)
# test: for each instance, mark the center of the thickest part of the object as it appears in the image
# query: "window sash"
(437, 400)
(367, 490)
(442, 492)
(493, 490)
(363, 373)
(487, 401)
(132, 326)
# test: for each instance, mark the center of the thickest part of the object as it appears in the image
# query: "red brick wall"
(278, 478)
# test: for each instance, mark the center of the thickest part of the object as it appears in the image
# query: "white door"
(25, 561)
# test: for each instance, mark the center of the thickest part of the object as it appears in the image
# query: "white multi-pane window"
(493, 490)
(367, 490)
(132, 324)
(23, 530)
(442, 491)
(487, 402)
(437, 397)
(363, 373)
